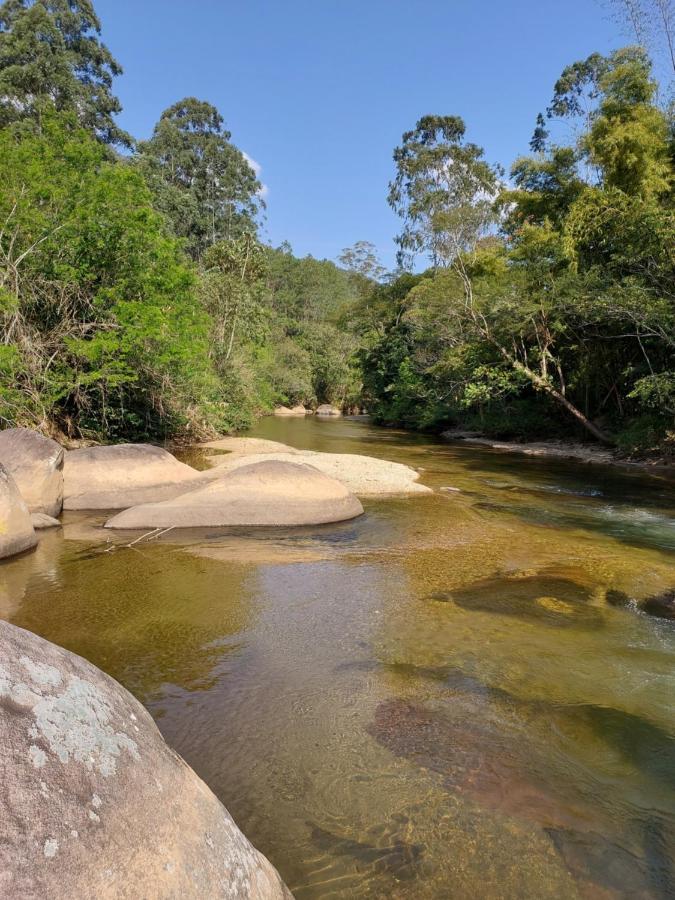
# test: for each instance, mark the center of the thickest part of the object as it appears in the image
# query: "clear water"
(433, 700)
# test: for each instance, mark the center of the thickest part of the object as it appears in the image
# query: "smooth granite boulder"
(35, 463)
(327, 410)
(94, 804)
(123, 475)
(16, 529)
(365, 476)
(268, 492)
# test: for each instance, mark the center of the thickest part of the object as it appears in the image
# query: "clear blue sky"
(318, 92)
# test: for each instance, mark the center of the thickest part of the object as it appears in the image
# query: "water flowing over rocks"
(16, 529)
(267, 492)
(35, 463)
(94, 803)
(123, 475)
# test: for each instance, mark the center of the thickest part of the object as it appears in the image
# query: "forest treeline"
(137, 299)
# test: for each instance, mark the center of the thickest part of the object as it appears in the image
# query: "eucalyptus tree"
(51, 56)
(201, 181)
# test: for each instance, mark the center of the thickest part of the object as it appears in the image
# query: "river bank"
(556, 449)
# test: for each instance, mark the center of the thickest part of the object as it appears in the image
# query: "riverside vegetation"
(138, 301)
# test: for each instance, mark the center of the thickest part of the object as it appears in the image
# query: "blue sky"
(319, 93)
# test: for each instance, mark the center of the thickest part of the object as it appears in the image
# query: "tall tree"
(443, 190)
(201, 181)
(51, 55)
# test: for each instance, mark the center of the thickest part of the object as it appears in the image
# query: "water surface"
(433, 700)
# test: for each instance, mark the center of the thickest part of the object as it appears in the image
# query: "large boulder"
(293, 411)
(93, 801)
(16, 529)
(267, 492)
(327, 410)
(122, 475)
(365, 476)
(35, 463)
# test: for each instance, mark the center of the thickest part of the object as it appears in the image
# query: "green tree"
(199, 179)
(51, 56)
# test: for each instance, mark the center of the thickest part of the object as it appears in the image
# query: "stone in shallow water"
(544, 597)
(16, 529)
(122, 475)
(661, 605)
(270, 492)
(398, 858)
(35, 462)
(94, 803)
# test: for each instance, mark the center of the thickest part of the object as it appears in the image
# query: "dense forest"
(138, 300)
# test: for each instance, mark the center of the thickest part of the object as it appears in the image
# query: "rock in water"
(123, 475)
(365, 476)
(661, 605)
(262, 493)
(16, 529)
(293, 411)
(94, 803)
(327, 410)
(41, 521)
(36, 465)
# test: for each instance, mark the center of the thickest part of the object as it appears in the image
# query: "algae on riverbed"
(432, 695)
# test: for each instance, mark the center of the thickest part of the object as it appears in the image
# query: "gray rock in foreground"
(94, 803)
(16, 529)
(268, 492)
(35, 463)
(122, 475)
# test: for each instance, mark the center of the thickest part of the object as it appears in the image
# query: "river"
(435, 700)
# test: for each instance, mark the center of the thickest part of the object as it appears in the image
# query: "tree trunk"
(542, 385)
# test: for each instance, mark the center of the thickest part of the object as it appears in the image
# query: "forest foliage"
(137, 299)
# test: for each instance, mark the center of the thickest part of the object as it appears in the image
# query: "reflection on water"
(453, 695)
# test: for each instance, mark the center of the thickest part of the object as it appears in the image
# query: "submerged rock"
(549, 598)
(93, 801)
(122, 475)
(262, 493)
(366, 476)
(327, 410)
(398, 858)
(16, 529)
(35, 463)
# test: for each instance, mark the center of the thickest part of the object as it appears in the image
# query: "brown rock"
(124, 475)
(294, 411)
(35, 463)
(16, 529)
(94, 803)
(262, 493)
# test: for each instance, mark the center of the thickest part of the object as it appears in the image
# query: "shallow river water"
(435, 700)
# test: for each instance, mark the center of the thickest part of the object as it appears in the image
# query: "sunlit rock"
(293, 411)
(94, 803)
(41, 521)
(122, 475)
(365, 476)
(268, 492)
(35, 463)
(16, 529)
